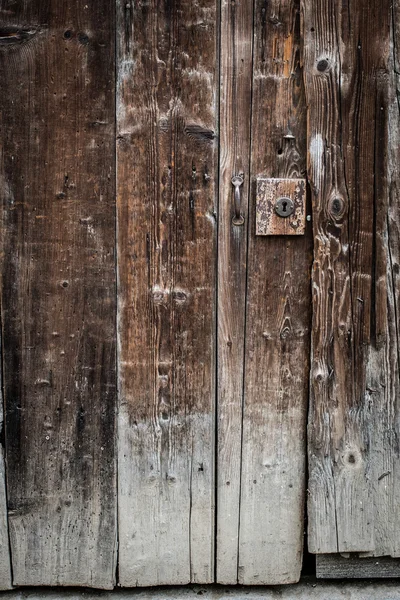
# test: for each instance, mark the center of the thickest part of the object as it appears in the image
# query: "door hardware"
(284, 207)
(237, 182)
(280, 206)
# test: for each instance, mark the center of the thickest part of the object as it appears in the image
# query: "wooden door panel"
(5, 557)
(235, 127)
(214, 332)
(167, 156)
(353, 426)
(58, 289)
(277, 318)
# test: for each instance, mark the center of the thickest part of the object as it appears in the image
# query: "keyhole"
(284, 207)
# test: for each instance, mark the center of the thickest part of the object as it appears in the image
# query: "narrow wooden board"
(278, 318)
(353, 428)
(393, 262)
(235, 123)
(5, 558)
(58, 289)
(335, 566)
(167, 155)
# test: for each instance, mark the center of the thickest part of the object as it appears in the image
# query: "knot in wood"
(336, 207)
(352, 458)
(159, 296)
(179, 296)
(83, 38)
(323, 65)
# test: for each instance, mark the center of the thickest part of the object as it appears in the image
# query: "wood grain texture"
(278, 315)
(353, 426)
(336, 566)
(393, 254)
(167, 156)
(235, 123)
(58, 289)
(5, 558)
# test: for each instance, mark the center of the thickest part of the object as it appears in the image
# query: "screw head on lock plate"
(284, 207)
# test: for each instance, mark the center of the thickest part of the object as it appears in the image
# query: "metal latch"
(280, 206)
(237, 182)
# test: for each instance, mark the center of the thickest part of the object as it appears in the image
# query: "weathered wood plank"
(5, 558)
(393, 237)
(335, 566)
(278, 315)
(235, 123)
(166, 198)
(353, 453)
(58, 289)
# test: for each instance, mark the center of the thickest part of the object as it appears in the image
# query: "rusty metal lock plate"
(280, 206)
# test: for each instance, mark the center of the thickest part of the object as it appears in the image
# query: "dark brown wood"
(167, 156)
(335, 566)
(278, 317)
(353, 428)
(58, 289)
(235, 125)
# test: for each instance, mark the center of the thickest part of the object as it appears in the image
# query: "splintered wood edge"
(268, 190)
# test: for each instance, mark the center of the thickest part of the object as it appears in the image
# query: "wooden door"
(159, 358)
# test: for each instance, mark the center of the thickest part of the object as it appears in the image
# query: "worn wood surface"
(271, 192)
(207, 310)
(336, 566)
(235, 122)
(58, 289)
(353, 429)
(393, 267)
(5, 558)
(167, 155)
(278, 315)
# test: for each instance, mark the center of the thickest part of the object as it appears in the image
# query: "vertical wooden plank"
(5, 558)
(166, 168)
(277, 329)
(235, 121)
(354, 464)
(58, 289)
(393, 240)
(278, 315)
